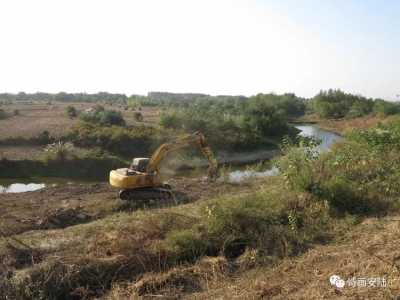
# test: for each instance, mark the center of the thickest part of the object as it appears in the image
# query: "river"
(16, 185)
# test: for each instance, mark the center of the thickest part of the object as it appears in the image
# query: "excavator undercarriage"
(157, 192)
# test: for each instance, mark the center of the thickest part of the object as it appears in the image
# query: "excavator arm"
(196, 138)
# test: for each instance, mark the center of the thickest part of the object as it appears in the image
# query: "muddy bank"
(21, 212)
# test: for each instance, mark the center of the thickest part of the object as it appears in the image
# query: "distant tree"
(71, 111)
(64, 97)
(385, 108)
(92, 115)
(112, 117)
(337, 104)
(138, 116)
(23, 96)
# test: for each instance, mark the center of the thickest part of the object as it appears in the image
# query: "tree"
(112, 117)
(22, 96)
(71, 111)
(92, 115)
(138, 116)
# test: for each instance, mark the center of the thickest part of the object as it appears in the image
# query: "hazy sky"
(229, 47)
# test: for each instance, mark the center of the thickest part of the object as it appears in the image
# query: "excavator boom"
(155, 162)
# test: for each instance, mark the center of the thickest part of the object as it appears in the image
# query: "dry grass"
(341, 126)
(36, 118)
(124, 256)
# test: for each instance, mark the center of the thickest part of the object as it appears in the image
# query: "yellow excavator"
(142, 179)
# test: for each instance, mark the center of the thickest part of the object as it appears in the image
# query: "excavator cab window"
(140, 164)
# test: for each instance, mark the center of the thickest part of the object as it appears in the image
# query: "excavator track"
(160, 192)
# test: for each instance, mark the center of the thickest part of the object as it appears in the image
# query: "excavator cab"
(140, 164)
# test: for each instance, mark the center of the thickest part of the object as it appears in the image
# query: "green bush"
(92, 115)
(294, 166)
(95, 152)
(98, 114)
(137, 116)
(3, 114)
(58, 153)
(112, 117)
(71, 111)
(346, 196)
(44, 137)
(15, 112)
(131, 141)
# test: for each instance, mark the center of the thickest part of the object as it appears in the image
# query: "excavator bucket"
(213, 174)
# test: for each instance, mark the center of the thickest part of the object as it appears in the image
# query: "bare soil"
(369, 250)
(23, 152)
(21, 212)
(35, 118)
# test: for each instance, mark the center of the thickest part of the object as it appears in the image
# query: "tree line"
(332, 103)
(338, 104)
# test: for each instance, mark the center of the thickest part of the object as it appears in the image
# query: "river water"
(16, 185)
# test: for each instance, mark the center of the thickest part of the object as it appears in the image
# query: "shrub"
(296, 159)
(58, 153)
(95, 152)
(346, 196)
(44, 137)
(138, 116)
(3, 114)
(71, 111)
(15, 112)
(112, 117)
(133, 141)
(98, 114)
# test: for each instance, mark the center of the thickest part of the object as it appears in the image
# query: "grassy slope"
(153, 252)
(131, 255)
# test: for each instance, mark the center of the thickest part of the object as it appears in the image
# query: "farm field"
(35, 118)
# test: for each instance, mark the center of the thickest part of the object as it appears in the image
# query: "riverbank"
(341, 126)
(254, 239)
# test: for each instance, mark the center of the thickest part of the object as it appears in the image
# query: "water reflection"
(19, 185)
(327, 137)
